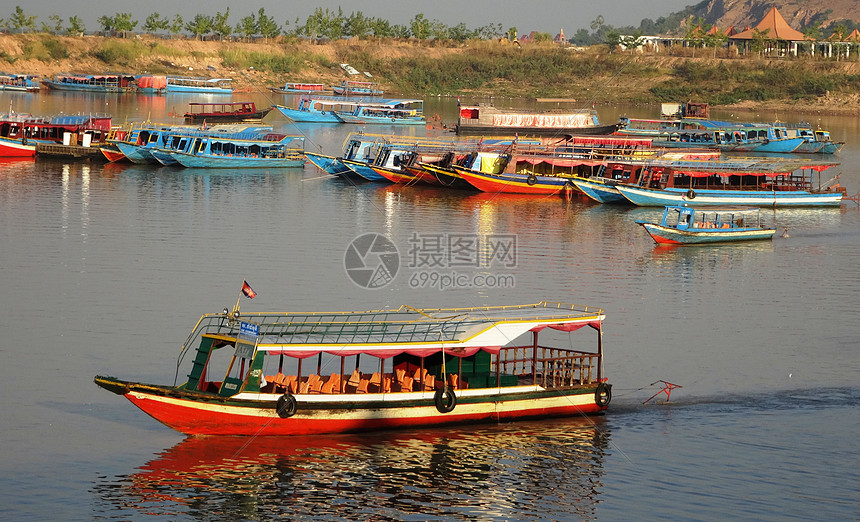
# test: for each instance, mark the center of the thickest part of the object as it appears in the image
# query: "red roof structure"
(775, 26)
(854, 36)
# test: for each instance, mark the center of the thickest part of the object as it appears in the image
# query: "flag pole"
(236, 308)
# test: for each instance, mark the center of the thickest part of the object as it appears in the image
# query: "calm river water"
(106, 268)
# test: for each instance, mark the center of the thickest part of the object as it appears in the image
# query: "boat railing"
(549, 367)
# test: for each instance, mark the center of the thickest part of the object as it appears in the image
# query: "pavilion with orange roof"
(775, 29)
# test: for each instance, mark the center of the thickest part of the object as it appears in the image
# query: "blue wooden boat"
(683, 225)
(102, 83)
(140, 141)
(200, 85)
(335, 109)
(220, 152)
(357, 146)
(759, 182)
(19, 82)
(600, 189)
(388, 112)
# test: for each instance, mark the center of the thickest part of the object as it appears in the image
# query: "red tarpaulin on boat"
(616, 142)
(560, 121)
(152, 82)
(559, 162)
(567, 327)
(706, 173)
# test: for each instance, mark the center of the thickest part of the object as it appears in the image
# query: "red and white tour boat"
(337, 372)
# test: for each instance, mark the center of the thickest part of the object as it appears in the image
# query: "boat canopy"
(386, 333)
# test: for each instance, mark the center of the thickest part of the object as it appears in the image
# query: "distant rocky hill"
(798, 13)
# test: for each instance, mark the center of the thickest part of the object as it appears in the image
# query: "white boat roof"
(406, 329)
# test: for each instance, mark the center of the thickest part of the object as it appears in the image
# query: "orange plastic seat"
(429, 382)
(453, 380)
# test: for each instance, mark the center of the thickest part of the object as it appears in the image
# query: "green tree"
(612, 39)
(632, 41)
(489, 31)
(20, 21)
(400, 31)
(247, 26)
(597, 23)
(76, 26)
(107, 23)
(155, 23)
(357, 25)
(512, 33)
(438, 30)
(266, 26)
(123, 23)
(420, 27)
(199, 26)
(176, 25)
(57, 26)
(760, 41)
(459, 33)
(381, 28)
(220, 25)
(715, 40)
(315, 25)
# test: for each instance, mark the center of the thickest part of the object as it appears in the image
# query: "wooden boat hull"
(516, 183)
(308, 116)
(599, 191)
(15, 148)
(364, 120)
(671, 236)
(492, 130)
(225, 117)
(363, 170)
(112, 153)
(61, 86)
(328, 164)
(196, 413)
(208, 161)
(395, 176)
(757, 198)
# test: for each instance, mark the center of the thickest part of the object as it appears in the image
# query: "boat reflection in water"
(523, 468)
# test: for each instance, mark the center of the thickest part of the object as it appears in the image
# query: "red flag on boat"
(248, 291)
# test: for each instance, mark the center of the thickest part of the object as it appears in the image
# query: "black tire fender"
(445, 400)
(691, 194)
(603, 394)
(532, 179)
(287, 405)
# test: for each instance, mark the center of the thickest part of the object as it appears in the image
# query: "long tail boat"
(683, 225)
(755, 181)
(378, 369)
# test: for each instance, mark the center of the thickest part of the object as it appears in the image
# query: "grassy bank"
(479, 67)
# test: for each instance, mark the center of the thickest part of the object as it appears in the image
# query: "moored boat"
(389, 112)
(683, 225)
(301, 88)
(757, 182)
(224, 112)
(21, 133)
(268, 151)
(200, 85)
(354, 88)
(488, 120)
(408, 367)
(19, 82)
(103, 83)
